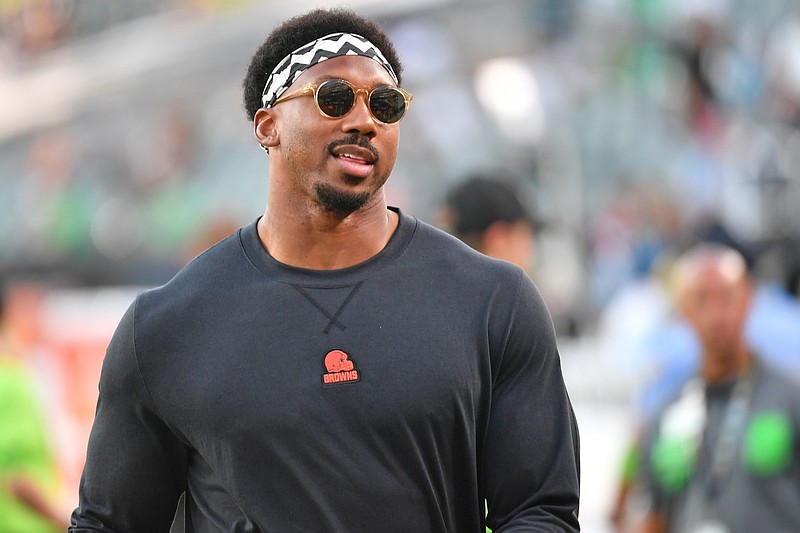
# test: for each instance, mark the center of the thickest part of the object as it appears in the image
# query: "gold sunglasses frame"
(313, 88)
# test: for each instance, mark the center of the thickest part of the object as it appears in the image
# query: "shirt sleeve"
(531, 462)
(135, 465)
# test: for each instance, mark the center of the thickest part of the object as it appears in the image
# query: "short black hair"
(303, 29)
(481, 199)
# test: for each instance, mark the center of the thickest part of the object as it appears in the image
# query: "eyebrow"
(328, 77)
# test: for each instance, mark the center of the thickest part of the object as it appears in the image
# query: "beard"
(340, 202)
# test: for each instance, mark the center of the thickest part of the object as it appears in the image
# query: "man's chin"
(340, 201)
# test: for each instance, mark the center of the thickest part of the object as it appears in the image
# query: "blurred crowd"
(636, 127)
(631, 122)
(32, 28)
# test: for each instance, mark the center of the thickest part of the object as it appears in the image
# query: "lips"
(354, 154)
(354, 161)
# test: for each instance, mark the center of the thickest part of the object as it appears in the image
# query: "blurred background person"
(490, 212)
(723, 453)
(666, 351)
(28, 473)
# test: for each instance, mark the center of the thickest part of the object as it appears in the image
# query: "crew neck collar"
(264, 262)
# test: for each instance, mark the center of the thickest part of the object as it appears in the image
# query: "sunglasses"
(336, 98)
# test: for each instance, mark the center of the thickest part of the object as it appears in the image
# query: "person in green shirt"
(28, 474)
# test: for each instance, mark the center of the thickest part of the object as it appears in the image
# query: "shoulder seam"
(136, 360)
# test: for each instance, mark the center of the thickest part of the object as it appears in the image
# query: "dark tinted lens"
(335, 98)
(387, 104)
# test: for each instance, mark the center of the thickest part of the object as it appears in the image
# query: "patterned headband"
(334, 45)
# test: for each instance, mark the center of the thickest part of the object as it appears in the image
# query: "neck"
(325, 240)
(721, 365)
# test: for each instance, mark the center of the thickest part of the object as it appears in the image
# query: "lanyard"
(723, 452)
(686, 421)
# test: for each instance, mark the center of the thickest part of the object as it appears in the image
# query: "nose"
(359, 119)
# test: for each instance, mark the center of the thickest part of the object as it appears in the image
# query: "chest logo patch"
(339, 369)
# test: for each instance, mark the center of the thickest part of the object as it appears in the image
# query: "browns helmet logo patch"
(339, 368)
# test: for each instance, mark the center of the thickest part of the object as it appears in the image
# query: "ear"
(494, 240)
(264, 128)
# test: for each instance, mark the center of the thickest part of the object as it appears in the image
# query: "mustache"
(356, 140)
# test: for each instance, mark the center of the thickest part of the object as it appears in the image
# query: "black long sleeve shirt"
(394, 396)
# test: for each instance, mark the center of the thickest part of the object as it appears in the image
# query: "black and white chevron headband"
(334, 45)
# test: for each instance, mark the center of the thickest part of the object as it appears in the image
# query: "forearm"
(653, 523)
(29, 494)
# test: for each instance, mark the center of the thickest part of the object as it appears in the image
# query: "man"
(488, 213)
(337, 365)
(723, 456)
